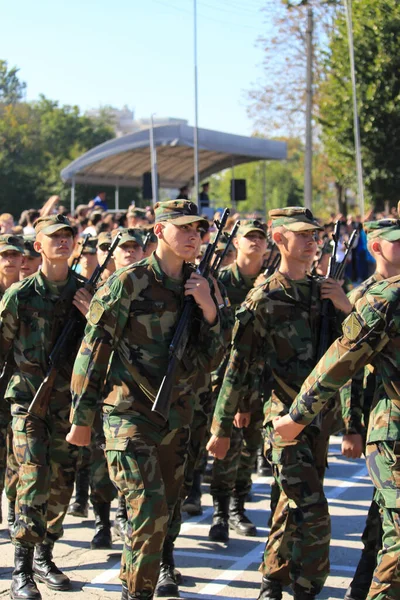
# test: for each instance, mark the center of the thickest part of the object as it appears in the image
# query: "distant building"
(123, 120)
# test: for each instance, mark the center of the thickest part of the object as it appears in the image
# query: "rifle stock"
(40, 403)
(180, 339)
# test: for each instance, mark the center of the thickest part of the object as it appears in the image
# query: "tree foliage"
(376, 30)
(37, 139)
(12, 90)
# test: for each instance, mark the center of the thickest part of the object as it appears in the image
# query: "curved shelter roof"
(123, 161)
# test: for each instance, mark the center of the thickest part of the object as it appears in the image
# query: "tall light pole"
(357, 137)
(309, 104)
(154, 170)
(196, 116)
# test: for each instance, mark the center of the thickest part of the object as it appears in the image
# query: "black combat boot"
(80, 508)
(192, 503)
(271, 589)
(359, 587)
(120, 524)
(219, 530)
(45, 571)
(127, 596)
(23, 586)
(237, 518)
(167, 586)
(263, 466)
(11, 517)
(102, 537)
(300, 593)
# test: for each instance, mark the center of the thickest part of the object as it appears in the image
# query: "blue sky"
(140, 53)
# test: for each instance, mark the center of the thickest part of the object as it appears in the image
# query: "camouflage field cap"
(29, 250)
(178, 212)
(128, 235)
(90, 246)
(11, 242)
(294, 218)
(387, 229)
(135, 211)
(51, 224)
(252, 225)
(104, 238)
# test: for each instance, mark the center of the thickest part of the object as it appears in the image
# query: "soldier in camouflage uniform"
(383, 237)
(278, 326)
(131, 322)
(33, 313)
(11, 253)
(129, 249)
(371, 335)
(31, 259)
(231, 477)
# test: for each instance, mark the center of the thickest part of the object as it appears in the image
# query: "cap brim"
(255, 229)
(390, 236)
(53, 228)
(186, 220)
(298, 226)
(10, 247)
(129, 238)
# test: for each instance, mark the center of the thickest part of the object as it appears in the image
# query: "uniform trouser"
(383, 462)
(8, 464)
(47, 465)
(198, 437)
(149, 473)
(297, 549)
(233, 473)
(372, 534)
(102, 489)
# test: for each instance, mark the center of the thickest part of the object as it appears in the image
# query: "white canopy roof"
(123, 161)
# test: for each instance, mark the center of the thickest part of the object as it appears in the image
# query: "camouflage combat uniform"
(278, 326)
(130, 326)
(233, 473)
(32, 315)
(371, 335)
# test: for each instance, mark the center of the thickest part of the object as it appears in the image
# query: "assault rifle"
(85, 241)
(146, 241)
(220, 258)
(272, 265)
(181, 336)
(335, 271)
(72, 329)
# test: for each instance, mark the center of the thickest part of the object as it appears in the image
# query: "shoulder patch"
(352, 326)
(96, 311)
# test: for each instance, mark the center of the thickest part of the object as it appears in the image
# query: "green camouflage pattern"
(297, 550)
(132, 319)
(32, 315)
(370, 335)
(131, 323)
(277, 326)
(356, 395)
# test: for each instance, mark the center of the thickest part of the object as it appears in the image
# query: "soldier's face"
(10, 263)
(299, 245)
(127, 254)
(390, 252)
(89, 261)
(183, 240)
(29, 266)
(56, 247)
(252, 244)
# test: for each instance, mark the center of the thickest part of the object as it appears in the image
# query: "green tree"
(12, 90)
(376, 25)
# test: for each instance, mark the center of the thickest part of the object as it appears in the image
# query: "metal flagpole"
(196, 117)
(357, 138)
(154, 170)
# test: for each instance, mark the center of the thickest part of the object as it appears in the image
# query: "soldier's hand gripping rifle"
(62, 348)
(180, 340)
(76, 261)
(335, 271)
(219, 259)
